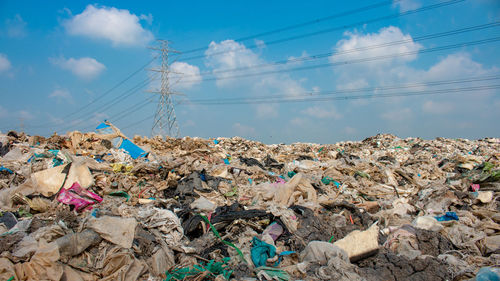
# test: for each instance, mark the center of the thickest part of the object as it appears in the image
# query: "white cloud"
(406, 5)
(26, 115)
(434, 107)
(259, 43)
(350, 130)
(55, 120)
(116, 25)
(267, 111)
(397, 114)
(382, 72)
(243, 130)
(297, 121)
(226, 55)
(98, 117)
(229, 54)
(322, 113)
(85, 68)
(188, 75)
(346, 48)
(457, 65)
(399, 70)
(296, 61)
(16, 27)
(61, 94)
(147, 18)
(4, 63)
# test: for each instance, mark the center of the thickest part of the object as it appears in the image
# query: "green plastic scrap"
(489, 174)
(120, 194)
(327, 180)
(488, 166)
(23, 213)
(274, 273)
(216, 233)
(212, 268)
(291, 174)
(232, 192)
(330, 240)
(362, 174)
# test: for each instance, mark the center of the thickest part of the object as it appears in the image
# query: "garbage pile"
(100, 206)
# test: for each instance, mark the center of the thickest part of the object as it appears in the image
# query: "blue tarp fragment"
(132, 149)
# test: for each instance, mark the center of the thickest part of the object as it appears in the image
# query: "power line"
(125, 113)
(138, 122)
(107, 92)
(129, 111)
(366, 96)
(275, 98)
(128, 93)
(357, 90)
(301, 36)
(428, 50)
(120, 98)
(295, 26)
(365, 48)
(46, 125)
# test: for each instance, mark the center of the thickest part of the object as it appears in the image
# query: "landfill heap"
(99, 206)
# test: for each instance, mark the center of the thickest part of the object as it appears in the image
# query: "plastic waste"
(261, 252)
(75, 243)
(120, 193)
(447, 217)
(488, 274)
(274, 230)
(117, 230)
(2, 168)
(8, 219)
(77, 196)
(212, 268)
(272, 273)
(428, 223)
(203, 204)
(484, 196)
(132, 149)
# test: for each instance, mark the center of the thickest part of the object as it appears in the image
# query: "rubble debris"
(101, 206)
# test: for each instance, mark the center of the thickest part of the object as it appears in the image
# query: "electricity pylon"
(165, 122)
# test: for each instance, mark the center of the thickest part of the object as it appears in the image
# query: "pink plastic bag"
(75, 195)
(274, 230)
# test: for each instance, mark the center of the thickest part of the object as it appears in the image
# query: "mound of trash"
(101, 206)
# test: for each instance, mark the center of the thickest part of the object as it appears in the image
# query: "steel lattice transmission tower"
(165, 122)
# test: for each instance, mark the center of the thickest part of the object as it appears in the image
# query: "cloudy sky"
(273, 71)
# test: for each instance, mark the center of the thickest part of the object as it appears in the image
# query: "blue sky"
(61, 62)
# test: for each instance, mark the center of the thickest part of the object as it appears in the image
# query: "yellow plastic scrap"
(121, 168)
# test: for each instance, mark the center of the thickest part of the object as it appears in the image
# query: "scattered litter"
(102, 206)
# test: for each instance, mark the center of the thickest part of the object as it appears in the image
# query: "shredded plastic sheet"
(216, 233)
(209, 269)
(271, 273)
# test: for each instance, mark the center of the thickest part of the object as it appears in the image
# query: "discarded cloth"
(261, 252)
